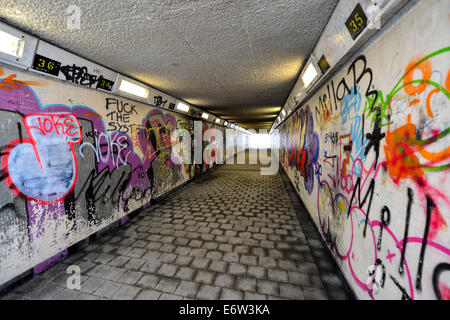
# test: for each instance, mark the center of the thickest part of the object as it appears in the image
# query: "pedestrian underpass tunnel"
(225, 149)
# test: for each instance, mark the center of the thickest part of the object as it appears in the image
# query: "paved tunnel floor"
(231, 234)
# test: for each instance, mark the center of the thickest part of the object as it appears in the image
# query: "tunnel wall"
(67, 170)
(369, 156)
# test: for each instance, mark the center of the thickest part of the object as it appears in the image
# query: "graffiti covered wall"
(369, 155)
(73, 161)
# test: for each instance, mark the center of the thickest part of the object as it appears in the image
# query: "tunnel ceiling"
(236, 59)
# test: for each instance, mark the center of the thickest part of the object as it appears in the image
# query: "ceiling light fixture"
(11, 45)
(182, 106)
(309, 75)
(133, 89)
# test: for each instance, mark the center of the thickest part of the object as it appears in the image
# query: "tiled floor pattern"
(231, 234)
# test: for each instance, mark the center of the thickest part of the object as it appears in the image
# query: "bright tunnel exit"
(259, 141)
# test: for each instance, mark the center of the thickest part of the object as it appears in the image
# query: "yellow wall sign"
(46, 65)
(357, 22)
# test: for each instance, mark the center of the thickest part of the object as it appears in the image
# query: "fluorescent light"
(11, 45)
(205, 115)
(133, 89)
(225, 123)
(182, 106)
(283, 112)
(217, 120)
(309, 75)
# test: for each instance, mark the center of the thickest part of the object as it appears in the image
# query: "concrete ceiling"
(237, 59)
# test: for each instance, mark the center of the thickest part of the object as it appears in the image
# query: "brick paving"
(230, 234)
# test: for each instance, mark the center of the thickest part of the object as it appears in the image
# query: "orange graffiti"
(429, 111)
(425, 68)
(92, 114)
(347, 146)
(9, 83)
(401, 160)
(410, 105)
(407, 156)
(402, 163)
(401, 148)
(447, 81)
(413, 102)
(402, 145)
